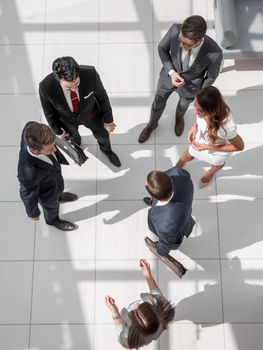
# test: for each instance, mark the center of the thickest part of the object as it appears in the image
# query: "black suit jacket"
(39, 180)
(201, 73)
(173, 221)
(95, 108)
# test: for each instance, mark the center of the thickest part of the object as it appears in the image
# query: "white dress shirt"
(42, 157)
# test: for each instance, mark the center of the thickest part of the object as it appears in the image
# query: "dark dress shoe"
(148, 201)
(64, 225)
(68, 197)
(145, 134)
(113, 158)
(179, 126)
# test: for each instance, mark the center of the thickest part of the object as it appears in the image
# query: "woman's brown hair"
(213, 105)
(149, 321)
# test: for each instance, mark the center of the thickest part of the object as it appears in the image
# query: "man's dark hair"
(159, 185)
(65, 68)
(37, 135)
(194, 28)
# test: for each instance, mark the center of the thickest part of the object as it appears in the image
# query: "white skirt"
(212, 157)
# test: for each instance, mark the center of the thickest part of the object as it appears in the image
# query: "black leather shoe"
(179, 126)
(64, 225)
(145, 134)
(148, 201)
(68, 197)
(113, 158)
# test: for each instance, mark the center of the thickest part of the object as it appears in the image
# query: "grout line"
(32, 288)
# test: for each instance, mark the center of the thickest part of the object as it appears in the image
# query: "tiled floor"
(53, 283)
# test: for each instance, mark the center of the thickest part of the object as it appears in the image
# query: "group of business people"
(74, 95)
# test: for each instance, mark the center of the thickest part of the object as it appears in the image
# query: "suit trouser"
(100, 133)
(51, 211)
(159, 103)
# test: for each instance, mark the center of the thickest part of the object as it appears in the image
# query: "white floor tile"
(250, 125)
(240, 74)
(193, 337)
(126, 285)
(240, 228)
(129, 64)
(109, 337)
(23, 22)
(168, 155)
(243, 173)
(14, 337)
(52, 244)
(199, 288)
(63, 292)
(203, 241)
(134, 18)
(72, 21)
(15, 292)
(131, 114)
(243, 336)
(174, 11)
(21, 68)
(17, 235)
(64, 336)
(242, 287)
(22, 109)
(8, 178)
(128, 182)
(121, 228)
(85, 54)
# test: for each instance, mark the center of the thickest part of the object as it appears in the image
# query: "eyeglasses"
(185, 44)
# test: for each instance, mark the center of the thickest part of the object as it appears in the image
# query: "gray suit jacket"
(201, 73)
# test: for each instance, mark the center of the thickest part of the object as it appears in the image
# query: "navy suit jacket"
(95, 108)
(39, 180)
(173, 221)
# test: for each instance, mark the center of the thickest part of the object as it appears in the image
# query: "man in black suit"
(171, 207)
(191, 60)
(73, 95)
(39, 174)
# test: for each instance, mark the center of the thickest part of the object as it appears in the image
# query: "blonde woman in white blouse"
(213, 136)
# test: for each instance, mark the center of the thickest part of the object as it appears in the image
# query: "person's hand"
(145, 267)
(36, 218)
(200, 146)
(64, 135)
(109, 127)
(110, 303)
(191, 135)
(177, 80)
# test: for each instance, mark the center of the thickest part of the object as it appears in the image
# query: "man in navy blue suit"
(39, 174)
(171, 207)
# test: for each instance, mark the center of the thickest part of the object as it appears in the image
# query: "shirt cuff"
(171, 72)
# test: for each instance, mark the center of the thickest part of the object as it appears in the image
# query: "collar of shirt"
(42, 157)
(194, 53)
(161, 203)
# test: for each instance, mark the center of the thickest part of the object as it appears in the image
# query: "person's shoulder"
(174, 171)
(85, 69)
(175, 28)
(48, 81)
(26, 168)
(212, 45)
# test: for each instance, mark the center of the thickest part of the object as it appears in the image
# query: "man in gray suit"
(191, 60)
(170, 215)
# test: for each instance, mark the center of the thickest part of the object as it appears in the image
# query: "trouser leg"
(182, 107)
(159, 103)
(103, 138)
(51, 211)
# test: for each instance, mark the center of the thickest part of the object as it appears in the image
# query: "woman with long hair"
(143, 320)
(213, 136)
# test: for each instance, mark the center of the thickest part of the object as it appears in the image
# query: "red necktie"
(75, 101)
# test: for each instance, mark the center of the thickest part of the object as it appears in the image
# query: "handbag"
(72, 149)
(169, 261)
